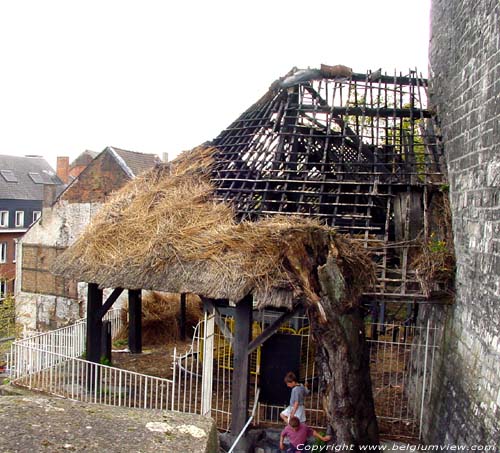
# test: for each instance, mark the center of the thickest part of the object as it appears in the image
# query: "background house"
(22, 182)
(44, 301)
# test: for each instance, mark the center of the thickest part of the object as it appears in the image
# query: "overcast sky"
(164, 76)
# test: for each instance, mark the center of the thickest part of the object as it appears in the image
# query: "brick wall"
(97, 181)
(465, 90)
(37, 262)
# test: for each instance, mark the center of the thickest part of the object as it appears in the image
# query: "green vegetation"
(105, 361)
(120, 343)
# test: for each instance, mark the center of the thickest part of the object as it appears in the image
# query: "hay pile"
(163, 231)
(160, 318)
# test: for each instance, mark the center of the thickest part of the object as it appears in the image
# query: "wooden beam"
(110, 301)
(135, 321)
(272, 329)
(182, 317)
(241, 371)
(94, 322)
(210, 307)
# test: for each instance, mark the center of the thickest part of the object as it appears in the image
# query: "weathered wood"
(94, 322)
(135, 321)
(342, 356)
(182, 317)
(272, 329)
(106, 342)
(208, 359)
(241, 372)
(210, 306)
(110, 301)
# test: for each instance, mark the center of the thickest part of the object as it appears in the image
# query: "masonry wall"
(465, 90)
(45, 301)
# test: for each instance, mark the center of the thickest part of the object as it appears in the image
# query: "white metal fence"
(401, 360)
(51, 362)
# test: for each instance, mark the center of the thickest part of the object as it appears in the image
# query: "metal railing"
(401, 365)
(51, 362)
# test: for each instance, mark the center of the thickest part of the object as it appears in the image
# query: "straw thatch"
(163, 231)
(161, 319)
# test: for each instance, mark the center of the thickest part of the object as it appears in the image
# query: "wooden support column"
(94, 322)
(241, 372)
(208, 358)
(135, 321)
(182, 317)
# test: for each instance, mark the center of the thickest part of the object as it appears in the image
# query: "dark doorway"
(280, 354)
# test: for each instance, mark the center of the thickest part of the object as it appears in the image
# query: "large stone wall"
(465, 90)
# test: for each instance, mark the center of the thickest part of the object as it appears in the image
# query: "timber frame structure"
(356, 152)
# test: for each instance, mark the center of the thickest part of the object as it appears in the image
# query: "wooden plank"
(272, 329)
(135, 321)
(242, 336)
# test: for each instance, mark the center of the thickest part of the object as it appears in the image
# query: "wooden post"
(208, 358)
(182, 317)
(94, 322)
(241, 372)
(135, 321)
(106, 342)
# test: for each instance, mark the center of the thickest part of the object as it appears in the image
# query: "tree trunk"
(342, 356)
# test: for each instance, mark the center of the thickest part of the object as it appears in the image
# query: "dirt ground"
(154, 360)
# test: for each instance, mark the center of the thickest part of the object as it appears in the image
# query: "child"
(297, 434)
(296, 407)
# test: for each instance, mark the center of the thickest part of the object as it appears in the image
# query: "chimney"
(49, 194)
(165, 157)
(63, 168)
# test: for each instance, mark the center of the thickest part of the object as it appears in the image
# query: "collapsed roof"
(322, 148)
(164, 231)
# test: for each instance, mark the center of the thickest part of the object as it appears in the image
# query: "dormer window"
(36, 215)
(36, 177)
(19, 218)
(4, 219)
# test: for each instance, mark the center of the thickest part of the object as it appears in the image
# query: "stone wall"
(44, 302)
(465, 90)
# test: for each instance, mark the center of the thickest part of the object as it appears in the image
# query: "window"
(19, 218)
(15, 250)
(3, 289)
(8, 175)
(36, 177)
(4, 218)
(3, 252)
(36, 215)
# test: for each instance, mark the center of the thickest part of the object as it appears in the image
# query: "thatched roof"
(164, 231)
